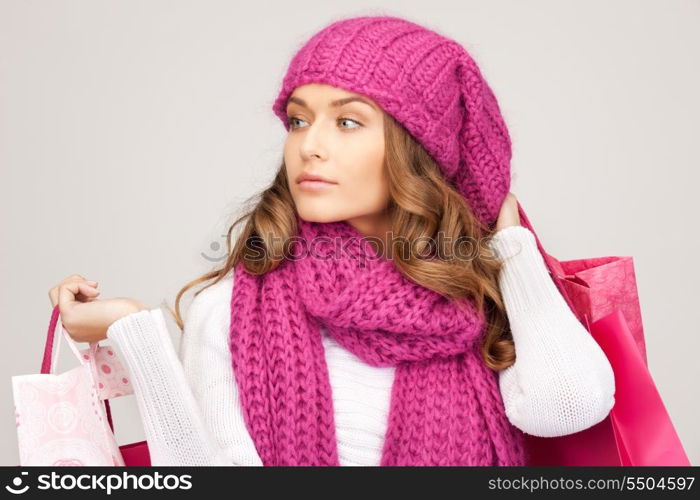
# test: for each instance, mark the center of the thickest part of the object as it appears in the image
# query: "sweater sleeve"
(561, 381)
(188, 401)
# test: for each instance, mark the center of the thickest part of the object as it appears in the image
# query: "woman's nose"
(313, 143)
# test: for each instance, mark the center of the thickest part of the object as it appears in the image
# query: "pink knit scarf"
(445, 409)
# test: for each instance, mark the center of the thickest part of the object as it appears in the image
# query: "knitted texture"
(430, 84)
(445, 409)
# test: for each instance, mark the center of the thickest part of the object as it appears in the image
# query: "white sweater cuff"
(524, 273)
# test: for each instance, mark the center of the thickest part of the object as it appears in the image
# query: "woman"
(371, 309)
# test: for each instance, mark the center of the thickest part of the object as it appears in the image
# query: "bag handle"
(51, 353)
(50, 359)
(555, 270)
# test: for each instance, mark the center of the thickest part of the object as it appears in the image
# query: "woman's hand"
(508, 216)
(85, 317)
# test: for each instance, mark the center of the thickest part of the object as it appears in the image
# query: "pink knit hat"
(428, 83)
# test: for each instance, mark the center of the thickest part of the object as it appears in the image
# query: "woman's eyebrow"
(335, 104)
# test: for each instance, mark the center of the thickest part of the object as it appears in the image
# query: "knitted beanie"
(429, 84)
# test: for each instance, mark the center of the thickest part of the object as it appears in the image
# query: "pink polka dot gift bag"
(63, 419)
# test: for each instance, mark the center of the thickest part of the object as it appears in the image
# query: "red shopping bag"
(602, 293)
(133, 454)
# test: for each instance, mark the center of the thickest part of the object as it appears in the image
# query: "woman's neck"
(375, 226)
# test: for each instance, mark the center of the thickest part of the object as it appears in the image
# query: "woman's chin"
(318, 214)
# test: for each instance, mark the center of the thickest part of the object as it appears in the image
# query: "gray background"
(130, 131)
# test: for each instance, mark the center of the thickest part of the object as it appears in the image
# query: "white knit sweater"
(561, 382)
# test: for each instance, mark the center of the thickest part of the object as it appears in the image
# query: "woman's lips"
(315, 186)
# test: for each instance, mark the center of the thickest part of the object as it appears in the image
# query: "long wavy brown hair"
(422, 205)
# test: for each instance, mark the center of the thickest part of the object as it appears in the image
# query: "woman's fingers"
(53, 292)
(66, 295)
(87, 292)
(73, 291)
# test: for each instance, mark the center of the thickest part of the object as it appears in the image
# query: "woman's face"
(339, 138)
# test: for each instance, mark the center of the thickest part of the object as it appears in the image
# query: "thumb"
(67, 293)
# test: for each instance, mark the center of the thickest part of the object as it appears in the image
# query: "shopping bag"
(64, 419)
(60, 420)
(113, 382)
(600, 286)
(638, 431)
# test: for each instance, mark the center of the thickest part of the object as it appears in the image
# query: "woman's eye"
(350, 120)
(291, 119)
